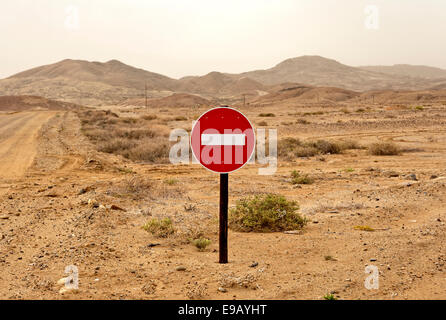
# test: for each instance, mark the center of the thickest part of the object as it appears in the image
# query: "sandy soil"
(46, 223)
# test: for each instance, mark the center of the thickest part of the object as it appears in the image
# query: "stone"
(298, 232)
(115, 207)
(93, 203)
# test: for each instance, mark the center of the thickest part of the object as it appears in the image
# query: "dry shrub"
(384, 149)
(96, 134)
(302, 121)
(290, 148)
(116, 146)
(267, 115)
(349, 145)
(98, 117)
(149, 150)
(137, 185)
(129, 120)
(287, 147)
(298, 178)
(305, 151)
(150, 117)
(326, 147)
(194, 231)
(133, 138)
(161, 130)
(135, 134)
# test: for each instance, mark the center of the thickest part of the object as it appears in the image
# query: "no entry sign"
(223, 140)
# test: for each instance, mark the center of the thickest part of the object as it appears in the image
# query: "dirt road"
(18, 133)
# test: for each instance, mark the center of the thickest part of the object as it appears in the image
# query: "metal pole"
(223, 240)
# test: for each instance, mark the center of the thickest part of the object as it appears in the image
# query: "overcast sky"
(193, 37)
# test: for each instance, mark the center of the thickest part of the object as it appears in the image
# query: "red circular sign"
(223, 140)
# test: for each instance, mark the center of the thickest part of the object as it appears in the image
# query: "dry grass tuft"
(161, 228)
(364, 228)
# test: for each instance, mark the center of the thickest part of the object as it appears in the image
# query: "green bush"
(159, 227)
(201, 243)
(266, 213)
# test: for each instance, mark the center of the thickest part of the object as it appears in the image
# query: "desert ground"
(65, 202)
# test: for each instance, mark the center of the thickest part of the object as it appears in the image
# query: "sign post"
(223, 141)
(223, 238)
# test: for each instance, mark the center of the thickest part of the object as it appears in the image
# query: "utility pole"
(145, 94)
(244, 100)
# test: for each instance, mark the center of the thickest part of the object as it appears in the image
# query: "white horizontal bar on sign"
(223, 139)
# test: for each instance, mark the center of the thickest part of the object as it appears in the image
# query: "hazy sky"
(194, 37)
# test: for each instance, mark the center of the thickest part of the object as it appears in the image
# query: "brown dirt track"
(46, 223)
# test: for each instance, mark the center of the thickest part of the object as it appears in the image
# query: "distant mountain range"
(407, 70)
(113, 82)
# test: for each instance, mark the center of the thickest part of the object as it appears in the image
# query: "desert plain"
(79, 181)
